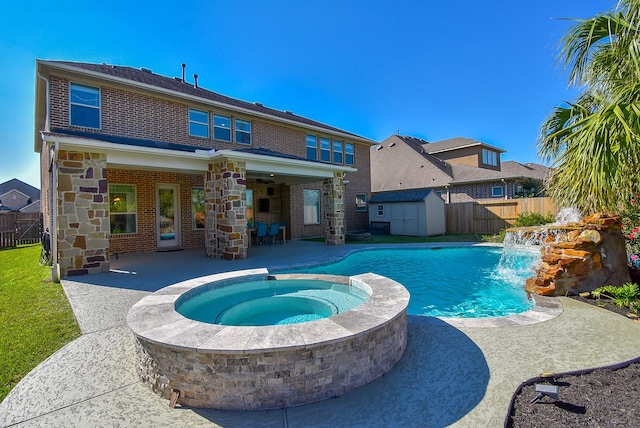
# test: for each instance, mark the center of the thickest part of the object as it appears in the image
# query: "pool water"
(468, 282)
(271, 302)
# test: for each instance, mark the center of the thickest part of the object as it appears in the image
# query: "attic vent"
(288, 112)
(178, 79)
(392, 144)
(146, 70)
(258, 104)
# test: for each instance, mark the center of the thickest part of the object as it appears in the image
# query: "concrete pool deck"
(461, 375)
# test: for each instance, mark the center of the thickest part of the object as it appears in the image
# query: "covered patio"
(153, 207)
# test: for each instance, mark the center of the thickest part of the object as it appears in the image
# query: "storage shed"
(418, 212)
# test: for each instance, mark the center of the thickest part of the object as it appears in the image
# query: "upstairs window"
(312, 147)
(489, 157)
(221, 128)
(325, 150)
(348, 154)
(337, 152)
(84, 106)
(243, 131)
(198, 123)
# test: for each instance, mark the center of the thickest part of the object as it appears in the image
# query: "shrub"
(631, 229)
(625, 295)
(533, 219)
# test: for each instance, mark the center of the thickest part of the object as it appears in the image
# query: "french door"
(167, 215)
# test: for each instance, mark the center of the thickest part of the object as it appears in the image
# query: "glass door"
(167, 218)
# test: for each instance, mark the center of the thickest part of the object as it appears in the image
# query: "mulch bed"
(607, 397)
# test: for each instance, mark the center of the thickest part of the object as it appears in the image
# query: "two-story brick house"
(458, 169)
(133, 161)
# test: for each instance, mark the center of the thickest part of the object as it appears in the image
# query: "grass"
(35, 316)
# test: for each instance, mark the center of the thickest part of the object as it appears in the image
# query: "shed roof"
(416, 195)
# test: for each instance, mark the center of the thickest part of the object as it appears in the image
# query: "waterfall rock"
(580, 256)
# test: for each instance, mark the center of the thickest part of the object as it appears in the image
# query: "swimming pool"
(468, 282)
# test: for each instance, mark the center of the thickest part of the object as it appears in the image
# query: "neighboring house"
(410, 212)
(16, 195)
(458, 169)
(133, 161)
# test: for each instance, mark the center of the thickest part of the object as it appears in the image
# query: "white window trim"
(199, 123)
(99, 107)
(353, 153)
(315, 146)
(380, 210)
(135, 213)
(222, 127)
(304, 207)
(493, 192)
(235, 131)
(193, 213)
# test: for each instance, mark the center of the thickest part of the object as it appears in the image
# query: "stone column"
(211, 201)
(226, 220)
(333, 196)
(83, 213)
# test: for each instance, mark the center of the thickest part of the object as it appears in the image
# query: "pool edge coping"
(154, 318)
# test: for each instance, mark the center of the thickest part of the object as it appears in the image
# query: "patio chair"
(274, 229)
(261, 233)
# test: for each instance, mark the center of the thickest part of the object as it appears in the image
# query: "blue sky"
(432, 69)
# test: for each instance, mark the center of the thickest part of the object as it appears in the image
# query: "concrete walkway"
(459, 376)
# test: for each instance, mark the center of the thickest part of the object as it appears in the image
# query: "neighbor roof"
(402, 162)
(20, 186)
(146, 77)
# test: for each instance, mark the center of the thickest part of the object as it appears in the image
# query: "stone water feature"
(577, 256)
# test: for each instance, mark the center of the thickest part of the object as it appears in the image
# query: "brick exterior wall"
(142, 114)
(145, 239)
(473, 192)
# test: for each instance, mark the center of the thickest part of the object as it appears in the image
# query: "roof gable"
(456, 144)
(20, 186)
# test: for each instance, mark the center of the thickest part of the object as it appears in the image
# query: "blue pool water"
(468, 282)
(271, 302)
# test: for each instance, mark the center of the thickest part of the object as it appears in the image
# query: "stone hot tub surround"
(267, 367)
(579, 256)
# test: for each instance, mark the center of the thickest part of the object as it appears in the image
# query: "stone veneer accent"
(580, 256)
(83, 213)
(267, 367)
(333, 195)
(225, 218)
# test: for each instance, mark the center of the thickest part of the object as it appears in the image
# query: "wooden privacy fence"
(491, 216)
(20, 229)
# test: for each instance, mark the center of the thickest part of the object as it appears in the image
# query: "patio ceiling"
(271, 167)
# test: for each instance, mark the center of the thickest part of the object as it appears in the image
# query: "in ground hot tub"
(263, 367)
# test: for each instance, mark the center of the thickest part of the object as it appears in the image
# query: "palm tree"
(593, 143)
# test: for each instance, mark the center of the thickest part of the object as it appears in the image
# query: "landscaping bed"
(604, 397)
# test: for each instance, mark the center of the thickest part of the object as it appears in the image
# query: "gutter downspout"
(55, 266)
(47, 103)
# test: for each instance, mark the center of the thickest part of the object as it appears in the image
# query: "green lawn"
(35, 316)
